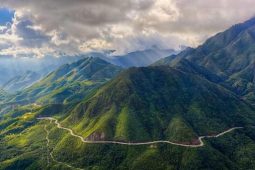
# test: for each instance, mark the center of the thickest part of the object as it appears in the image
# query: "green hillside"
(143, 104)
(21, 82)
(191, 67)
(140, 104)
(230, 55)
(70, 82)
(29, 151)
(117, 120)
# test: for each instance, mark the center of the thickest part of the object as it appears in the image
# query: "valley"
(150, 109)
(152, 143)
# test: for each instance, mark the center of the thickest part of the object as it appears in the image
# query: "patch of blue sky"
(6, 16)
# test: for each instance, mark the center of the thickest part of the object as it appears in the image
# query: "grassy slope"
(28, 150)
(71, 82)
(140, 104)
(176, 113)
(230, 55)
(158, 103)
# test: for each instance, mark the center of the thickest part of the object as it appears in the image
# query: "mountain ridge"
(141, 58)
(60, 84)
(21, 82)
(187, 97)
(132, 94)
(230, 55)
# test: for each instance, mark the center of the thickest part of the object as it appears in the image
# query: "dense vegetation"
(189, 95)
(23, 138)
(71, 82)
(151, 103)
(230, 55)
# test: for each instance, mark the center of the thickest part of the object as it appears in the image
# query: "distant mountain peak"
(142, 58)
(71, 81)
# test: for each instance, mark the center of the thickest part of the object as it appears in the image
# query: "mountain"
(12, 67)
(144, 104)
(139, 105)
(133, 59)
(141, 58)
(230, 55)
(70, 82)
(22, 81)
(175, 57)
(91, 115)
(191, 67)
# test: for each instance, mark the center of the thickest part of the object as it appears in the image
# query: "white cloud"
(2, 28)
(72, 27)
(95, 44)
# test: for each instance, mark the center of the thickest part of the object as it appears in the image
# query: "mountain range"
(230, 55)
(12, 67)
(70, 82)
(189, 111)
(22, 81)
(177, 101)
(23, 72)
(141, 58)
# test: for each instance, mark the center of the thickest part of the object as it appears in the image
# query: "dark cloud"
(74, 26)
(30, 37)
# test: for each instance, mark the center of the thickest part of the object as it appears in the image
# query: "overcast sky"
(57, 27)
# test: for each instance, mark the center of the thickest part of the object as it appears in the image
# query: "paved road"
(50, 153)
(201, 143)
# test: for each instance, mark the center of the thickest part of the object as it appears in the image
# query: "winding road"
(51, 153)
(201, 143)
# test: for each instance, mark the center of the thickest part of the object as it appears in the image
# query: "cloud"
(73, 27)
(29, 36)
